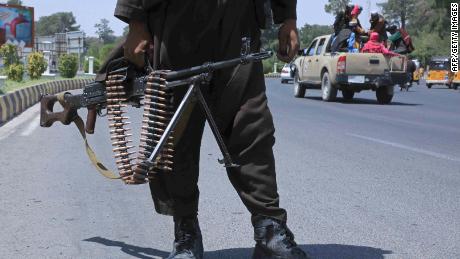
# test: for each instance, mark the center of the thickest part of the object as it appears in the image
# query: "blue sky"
(89, 12)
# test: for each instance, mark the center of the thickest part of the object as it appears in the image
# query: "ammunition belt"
(158, 111)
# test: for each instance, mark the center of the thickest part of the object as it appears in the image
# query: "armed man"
(379, 25)
(190, 33)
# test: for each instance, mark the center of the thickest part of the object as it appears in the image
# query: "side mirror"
(292, 70)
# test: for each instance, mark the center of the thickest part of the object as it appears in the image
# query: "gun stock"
(47, 115)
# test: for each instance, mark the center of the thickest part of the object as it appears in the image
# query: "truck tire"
(348, 95)
(429, 86)
(299, 88)
(329, 92)
(384, 94)
(455, 86)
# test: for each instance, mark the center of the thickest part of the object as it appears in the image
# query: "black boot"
(275, 240)
(188, 243)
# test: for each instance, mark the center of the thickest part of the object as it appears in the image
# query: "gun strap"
(91, 155)
(89, 151)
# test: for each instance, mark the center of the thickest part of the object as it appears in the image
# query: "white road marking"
(413, 149)
(31, 127)
(11, 126)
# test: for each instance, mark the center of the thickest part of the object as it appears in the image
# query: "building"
(59, 44)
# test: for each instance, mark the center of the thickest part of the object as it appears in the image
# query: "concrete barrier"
(14, 103)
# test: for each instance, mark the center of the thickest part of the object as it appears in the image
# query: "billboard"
(17, 25)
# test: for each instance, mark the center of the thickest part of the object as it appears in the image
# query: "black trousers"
(189, 33)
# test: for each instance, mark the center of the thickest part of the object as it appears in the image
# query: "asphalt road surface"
(359, 180)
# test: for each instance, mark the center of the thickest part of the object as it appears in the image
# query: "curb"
(12, 104)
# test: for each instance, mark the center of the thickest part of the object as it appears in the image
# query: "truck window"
(311, 49)
(320, 47)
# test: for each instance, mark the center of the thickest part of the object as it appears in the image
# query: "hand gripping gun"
(152, 90)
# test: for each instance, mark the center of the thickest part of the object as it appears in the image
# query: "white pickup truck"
(318, 68)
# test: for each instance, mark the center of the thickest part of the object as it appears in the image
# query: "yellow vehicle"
(456, 81)
(418, 74)
(439, 72)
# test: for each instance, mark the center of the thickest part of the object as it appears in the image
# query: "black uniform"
(342, 20)
(189, 33)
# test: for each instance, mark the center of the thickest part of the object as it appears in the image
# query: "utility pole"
(403, 14)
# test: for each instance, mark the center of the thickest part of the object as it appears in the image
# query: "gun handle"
(48, 117)
(91, 120)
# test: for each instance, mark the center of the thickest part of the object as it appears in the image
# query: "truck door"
(315, 61)
(306, 61)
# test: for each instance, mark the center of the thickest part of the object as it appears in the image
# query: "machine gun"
(153, 90)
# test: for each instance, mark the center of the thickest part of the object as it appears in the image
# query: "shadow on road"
(325, 251)
(135, 251)
(363, 101)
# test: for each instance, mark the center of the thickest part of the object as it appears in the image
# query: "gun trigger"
(100, 114)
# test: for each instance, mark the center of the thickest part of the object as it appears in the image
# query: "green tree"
(56, 23)
(425, 49)
(429, 18)
(68, 65)
(36, 65)
(104, 31)
(442, 3)
(9, 54)
(105, 51)
(335, 6)
(14, 2)
(400, 11)
(92, 46)
(308, 32)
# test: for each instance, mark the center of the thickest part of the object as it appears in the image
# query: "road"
(359, 180)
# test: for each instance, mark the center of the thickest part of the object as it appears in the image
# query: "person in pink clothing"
(375, 46)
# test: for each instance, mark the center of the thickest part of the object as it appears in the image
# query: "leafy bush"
(96, 66)
(15, 72)
(269, 65)
(9, 53)
(68, 65)
(36, 65)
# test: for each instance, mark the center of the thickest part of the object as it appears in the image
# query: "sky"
(90, 12)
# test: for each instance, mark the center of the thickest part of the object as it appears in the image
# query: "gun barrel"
(210, 67)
